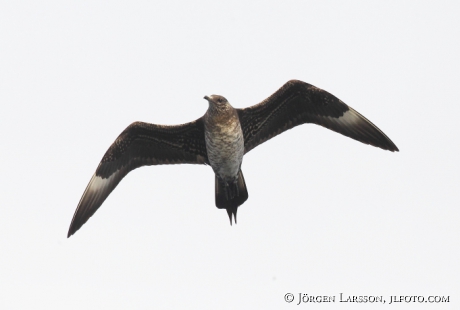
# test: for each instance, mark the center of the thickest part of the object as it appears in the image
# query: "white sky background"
(325, 214)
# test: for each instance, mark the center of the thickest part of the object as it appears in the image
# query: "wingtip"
(70, 232)
(74, 227)
(392, 147)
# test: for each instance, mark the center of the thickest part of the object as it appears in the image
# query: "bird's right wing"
(298, 103)
(140, 144)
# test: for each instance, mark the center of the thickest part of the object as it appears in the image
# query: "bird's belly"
(225, 152)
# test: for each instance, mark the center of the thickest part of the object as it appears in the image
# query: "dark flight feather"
(297, 103)
(140, 144)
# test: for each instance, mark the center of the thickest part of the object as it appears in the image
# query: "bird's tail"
(231, 196)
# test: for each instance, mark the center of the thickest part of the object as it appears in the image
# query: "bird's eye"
(219, 100)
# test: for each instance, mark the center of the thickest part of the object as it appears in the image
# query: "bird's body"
(224, 139)
(225, 150)
(220, 139)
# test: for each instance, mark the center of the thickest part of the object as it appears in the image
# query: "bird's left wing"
(140, 144)
(297, 103)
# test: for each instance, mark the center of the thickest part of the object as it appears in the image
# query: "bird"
(220, 139)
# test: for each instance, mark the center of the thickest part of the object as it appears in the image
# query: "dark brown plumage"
(297, 103)
(142, 144)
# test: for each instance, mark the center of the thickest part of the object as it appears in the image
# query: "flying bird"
(220, 138)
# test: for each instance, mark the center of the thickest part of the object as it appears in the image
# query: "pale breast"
(225, 147)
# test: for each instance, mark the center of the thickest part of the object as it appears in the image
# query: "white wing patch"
(351, 117)
(95, 193)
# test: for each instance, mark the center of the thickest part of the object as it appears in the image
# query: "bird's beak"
(209, 99)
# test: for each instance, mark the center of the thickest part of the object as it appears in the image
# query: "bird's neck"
(222, 116)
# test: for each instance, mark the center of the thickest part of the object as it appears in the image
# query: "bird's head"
(217, 103)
